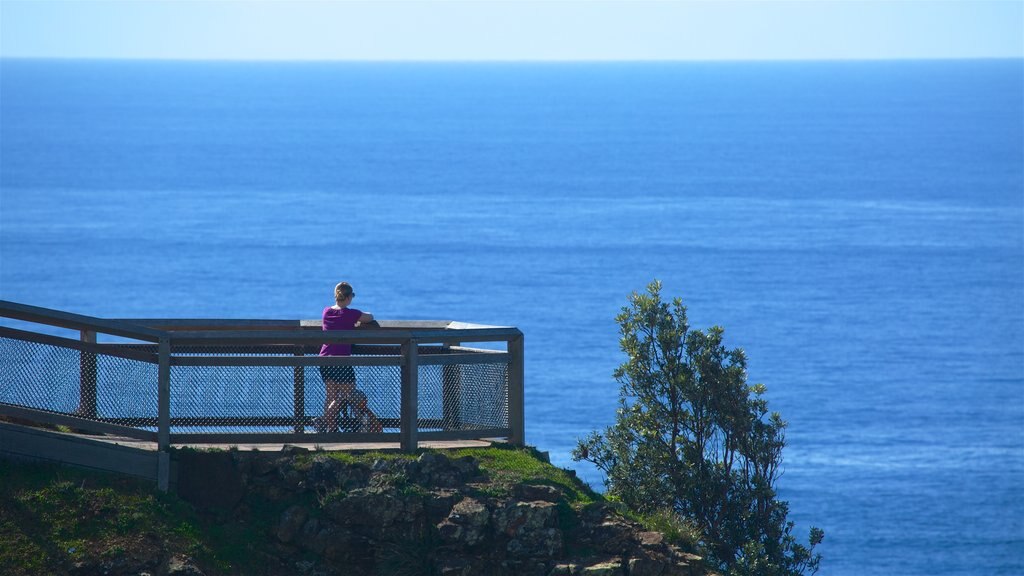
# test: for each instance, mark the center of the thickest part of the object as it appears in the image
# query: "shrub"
(692, 436)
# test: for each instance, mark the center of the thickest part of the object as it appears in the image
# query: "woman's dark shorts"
(338, 373)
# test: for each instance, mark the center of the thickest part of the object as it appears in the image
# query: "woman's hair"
(341, 291)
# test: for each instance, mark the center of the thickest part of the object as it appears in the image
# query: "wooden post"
(516, 401)
(87, 392)
(163, 432)
(410, 393)
(451, 394)
(299, 402)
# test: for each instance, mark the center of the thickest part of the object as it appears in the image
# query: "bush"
(691, 435)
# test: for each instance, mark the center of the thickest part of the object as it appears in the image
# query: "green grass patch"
(52, 516)
(507, 466)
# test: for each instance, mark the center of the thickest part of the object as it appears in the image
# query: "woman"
(340, 381)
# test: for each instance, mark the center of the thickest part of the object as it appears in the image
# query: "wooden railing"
(472, 392)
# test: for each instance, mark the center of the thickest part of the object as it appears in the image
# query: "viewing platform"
(155, 384)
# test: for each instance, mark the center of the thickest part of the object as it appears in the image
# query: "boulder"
(291, 522)
(606, 568)
(519, 517)
(535, 492)
(466, 524)
(650, 539)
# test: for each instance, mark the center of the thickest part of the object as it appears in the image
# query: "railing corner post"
(516, 394)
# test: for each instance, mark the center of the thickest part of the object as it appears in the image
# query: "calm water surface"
(857, 228)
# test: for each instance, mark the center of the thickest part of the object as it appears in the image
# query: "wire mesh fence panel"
(87, 385)
(380, 385)
(40, 376)
(232, 398)
(126, 390)
(430, 399)
(473, 396)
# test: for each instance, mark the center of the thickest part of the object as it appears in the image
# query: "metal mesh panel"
(463, 396)
(230, 398)
(267, 399)
(83, 384)
(126, 390)
(380, 384)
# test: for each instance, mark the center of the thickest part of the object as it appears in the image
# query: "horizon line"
(512, 60)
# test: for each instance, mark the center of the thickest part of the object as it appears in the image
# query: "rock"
(595, 513)
(430, 461)
(467, 523)
(436, 469)
(292, 520)
(449, 532)
(530, 527)
(643, 566)
(613, 536)
(309, 537)
(318, 541)
(350, 550)
(650, 539)
(683, 570)
(291, 450)
(389, 465)
(434, 508)
(539, 543)
(180, 566)
(468, 467)
(519, 517)
(375, 509)
(326, 474)
(608, 568)
(439, 503)
(535, 492)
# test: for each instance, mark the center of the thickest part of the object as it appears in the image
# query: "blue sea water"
(857, 228)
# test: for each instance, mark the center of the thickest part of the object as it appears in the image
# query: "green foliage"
(692, 435)
(677, 530)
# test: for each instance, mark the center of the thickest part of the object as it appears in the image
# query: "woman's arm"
(366, 317)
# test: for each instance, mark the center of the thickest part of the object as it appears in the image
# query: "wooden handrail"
(51, 317)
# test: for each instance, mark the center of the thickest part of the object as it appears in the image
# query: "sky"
(512, 30)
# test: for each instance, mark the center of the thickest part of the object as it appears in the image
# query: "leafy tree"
(692, 436)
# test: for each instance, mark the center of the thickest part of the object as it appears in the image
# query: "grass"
(508, 466)
(51, 517)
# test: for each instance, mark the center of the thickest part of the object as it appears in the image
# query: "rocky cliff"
(432, 515)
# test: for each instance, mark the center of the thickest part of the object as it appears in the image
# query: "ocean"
(856, 227)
